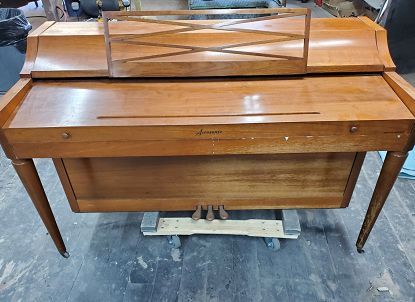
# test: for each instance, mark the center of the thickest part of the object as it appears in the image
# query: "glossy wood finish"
(237, 182)
(26, 170)
(236, 141)
(204, 102)
(406, 93)
(8, 103)
(157, 118)
(390, 170)
(13, 98)
(381, 43)
(402, 88)
(354, 175)
(78, 49)
(32, 49)
(176, 51)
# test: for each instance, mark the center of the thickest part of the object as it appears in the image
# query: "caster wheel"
(272, 243)
(174, 241)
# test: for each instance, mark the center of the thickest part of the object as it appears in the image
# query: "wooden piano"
(150, 112)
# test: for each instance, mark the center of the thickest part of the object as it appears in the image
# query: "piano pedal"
(222, 213)
(210, 215)
(198, 213)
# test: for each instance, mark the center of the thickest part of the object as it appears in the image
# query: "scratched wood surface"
(250, 109)
(255, 118)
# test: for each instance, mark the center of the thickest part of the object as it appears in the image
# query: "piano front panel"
(176, 183)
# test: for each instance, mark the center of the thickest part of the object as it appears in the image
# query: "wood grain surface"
(181, 49)
(201, 117)
(203, 102)
(78, 49)
(181, 183)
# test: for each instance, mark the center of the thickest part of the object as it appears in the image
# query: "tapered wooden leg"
(390, 171)
(28, 175)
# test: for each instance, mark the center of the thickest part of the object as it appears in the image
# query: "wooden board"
(78, 103)
(248, 227)
(78, 49)
(203, 117)
(238, 182)
(222, 48)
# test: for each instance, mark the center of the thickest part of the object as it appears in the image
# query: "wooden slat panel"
(96, 28)
(223, 59)
(212, 180)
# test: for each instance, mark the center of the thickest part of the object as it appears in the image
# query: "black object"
(14, 29)
(14, 26)
(400, 22)
(90, 7)
(16, 3)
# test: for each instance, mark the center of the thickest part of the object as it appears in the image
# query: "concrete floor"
(112, 261)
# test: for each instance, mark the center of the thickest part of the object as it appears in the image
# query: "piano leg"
(390, 171)
(28, 175)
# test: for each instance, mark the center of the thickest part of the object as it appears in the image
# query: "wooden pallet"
(288, 227)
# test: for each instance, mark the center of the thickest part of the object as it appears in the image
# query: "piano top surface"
(138, 102)
(78, 49)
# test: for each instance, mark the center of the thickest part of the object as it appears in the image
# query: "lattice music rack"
(195, 48)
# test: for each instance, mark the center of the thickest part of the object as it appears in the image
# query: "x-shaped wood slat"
(195, 49)
(135, 39)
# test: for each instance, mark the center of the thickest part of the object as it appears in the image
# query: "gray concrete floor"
(112, 261)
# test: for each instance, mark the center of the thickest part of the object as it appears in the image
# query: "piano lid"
(284, 42)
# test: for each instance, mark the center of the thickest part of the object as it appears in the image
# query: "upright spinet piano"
(148, 111)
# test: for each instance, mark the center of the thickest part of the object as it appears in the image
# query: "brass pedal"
(198, 213)
(222, 213)
(210, 215)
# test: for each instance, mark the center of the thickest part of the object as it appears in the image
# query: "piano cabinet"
(276, 123)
